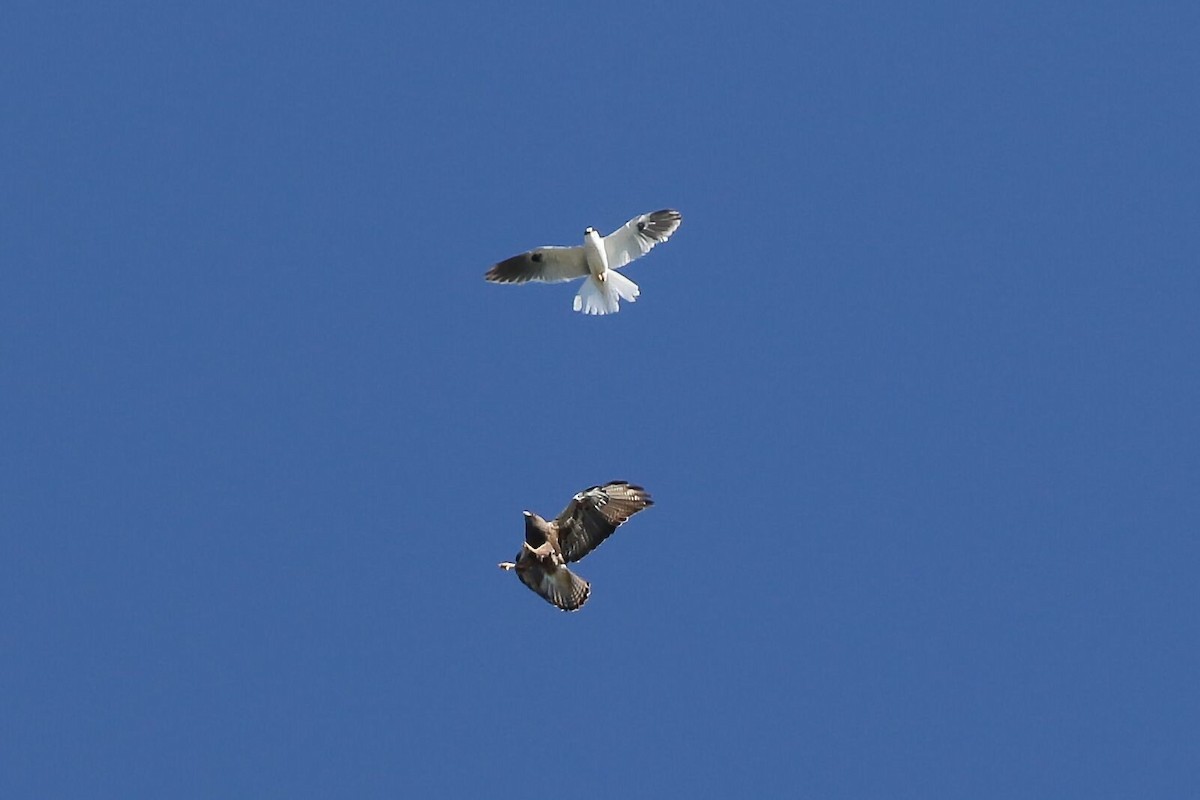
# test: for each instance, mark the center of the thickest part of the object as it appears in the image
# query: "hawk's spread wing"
(636, 238)
(548, 264)
(593, 514)
(559, 585)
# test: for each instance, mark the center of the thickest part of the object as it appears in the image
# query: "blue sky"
(914, 386)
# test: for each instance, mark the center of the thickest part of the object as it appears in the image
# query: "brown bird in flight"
(589, 519)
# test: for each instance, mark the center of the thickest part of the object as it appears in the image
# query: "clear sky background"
(915, 387)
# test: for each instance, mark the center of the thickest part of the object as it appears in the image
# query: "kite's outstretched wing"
(638, 236)
(546, 264)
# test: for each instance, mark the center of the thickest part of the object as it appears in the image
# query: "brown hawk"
(589, 519)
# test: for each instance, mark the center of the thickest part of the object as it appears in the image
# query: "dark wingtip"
(510, 270)
(657, 226)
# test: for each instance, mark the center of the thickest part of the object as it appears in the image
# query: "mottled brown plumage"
(589, 519)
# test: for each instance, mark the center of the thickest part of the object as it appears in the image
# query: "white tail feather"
(604, 298)
(623, 286)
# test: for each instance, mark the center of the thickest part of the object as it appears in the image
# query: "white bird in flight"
(596, 260)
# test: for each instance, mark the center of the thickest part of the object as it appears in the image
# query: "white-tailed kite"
(597, 258)
(589, 519)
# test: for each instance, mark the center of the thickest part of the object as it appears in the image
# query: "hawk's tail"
(564, 589)
(604, 298)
